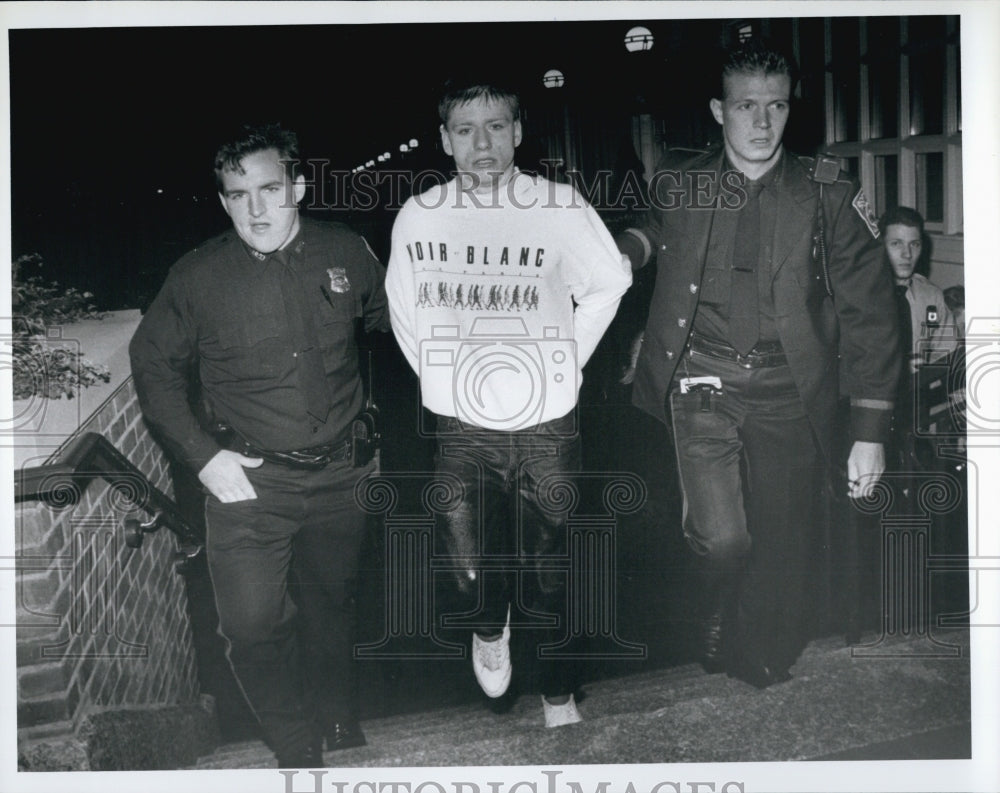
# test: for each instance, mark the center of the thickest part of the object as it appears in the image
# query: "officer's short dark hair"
(756, 56)
(459, 91)
(902, 216)
(250, 139)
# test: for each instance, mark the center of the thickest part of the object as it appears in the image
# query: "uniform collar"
(768, 179)
(293, 247)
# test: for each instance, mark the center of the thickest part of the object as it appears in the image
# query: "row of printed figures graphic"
(477, 297)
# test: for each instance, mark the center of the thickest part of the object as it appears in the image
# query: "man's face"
(903, 245)
(481, 136)
(753, 114)
(262, 201)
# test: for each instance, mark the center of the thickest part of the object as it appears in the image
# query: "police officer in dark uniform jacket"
(747, 335)
(267, 313)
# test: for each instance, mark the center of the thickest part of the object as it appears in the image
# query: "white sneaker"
(491, 661)
(559, 715)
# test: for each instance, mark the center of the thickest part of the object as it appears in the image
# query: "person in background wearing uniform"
(485, 271)
(265, 314)
(927, 326)
(747, 330)
(928, 332)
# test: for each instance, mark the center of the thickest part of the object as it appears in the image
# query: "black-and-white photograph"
(501, 397)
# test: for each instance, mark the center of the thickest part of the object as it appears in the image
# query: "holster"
(365, 437)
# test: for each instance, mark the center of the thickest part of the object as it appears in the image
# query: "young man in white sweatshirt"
(500, 286)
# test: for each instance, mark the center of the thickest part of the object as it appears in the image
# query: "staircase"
(910, 702)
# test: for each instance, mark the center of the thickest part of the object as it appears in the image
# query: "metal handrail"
(61, 484)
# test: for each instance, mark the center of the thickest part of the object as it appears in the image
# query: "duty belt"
(313, 458)
(762, 355)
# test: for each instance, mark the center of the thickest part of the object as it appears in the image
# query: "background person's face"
(753, 115)
(262, 201)
(903, 245)
(481, 136)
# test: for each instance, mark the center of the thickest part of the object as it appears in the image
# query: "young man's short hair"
(251, 139)
(902, 216)
(461, 91)
(756, 56)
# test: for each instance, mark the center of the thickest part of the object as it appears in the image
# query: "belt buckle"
(745, 361)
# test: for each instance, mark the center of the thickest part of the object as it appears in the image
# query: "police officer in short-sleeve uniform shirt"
(265, 313)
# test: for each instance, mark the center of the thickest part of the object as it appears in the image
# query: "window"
(930, 186)
(886, 192)
(893, 111)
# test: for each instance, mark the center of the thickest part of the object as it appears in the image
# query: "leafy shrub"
(42, 368)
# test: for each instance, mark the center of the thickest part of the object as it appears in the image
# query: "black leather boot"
(713, 652)
(716, 604)
(308, 755)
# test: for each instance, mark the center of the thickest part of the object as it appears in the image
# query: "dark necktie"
(305, 343)
(744, 321)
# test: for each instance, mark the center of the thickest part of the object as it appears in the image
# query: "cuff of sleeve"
(634, 244)
(869, 423)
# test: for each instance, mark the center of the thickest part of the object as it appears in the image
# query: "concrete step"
(839, 700)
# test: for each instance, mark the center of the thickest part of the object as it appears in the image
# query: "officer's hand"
(225, 479)
(864, 467)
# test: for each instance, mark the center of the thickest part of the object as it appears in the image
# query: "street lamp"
(553, 78)
(638, 39)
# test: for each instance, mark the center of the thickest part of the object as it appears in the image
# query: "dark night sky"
(141, 104)
(101, 118)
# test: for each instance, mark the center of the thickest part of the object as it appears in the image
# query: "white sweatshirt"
(499, 300)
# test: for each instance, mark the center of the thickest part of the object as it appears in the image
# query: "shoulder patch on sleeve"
(864, 210)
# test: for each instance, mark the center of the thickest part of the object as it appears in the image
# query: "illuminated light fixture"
(386, 155)
(638, 39)
(413, 143)
(553, 78)
(403, 148)
(370, 164)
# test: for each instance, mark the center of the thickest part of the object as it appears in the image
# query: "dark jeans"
(507, 526)
(750, 471)
(292, 657)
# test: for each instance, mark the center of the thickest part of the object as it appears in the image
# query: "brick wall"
(100, 625)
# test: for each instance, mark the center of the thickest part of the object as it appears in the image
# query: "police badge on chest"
(338, 280)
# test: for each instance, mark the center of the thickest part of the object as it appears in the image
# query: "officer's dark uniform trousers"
(311, 517)
(750, 467)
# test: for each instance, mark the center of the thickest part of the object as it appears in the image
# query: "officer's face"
(482, 135)
(262, 201)
(753, 114)
(903, 245)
